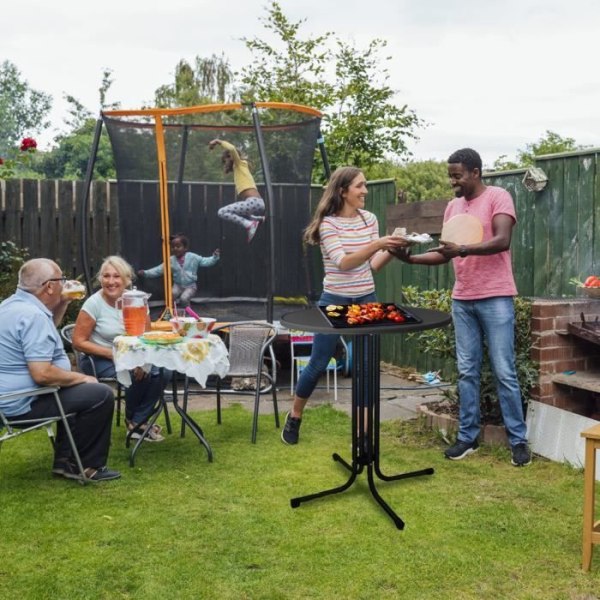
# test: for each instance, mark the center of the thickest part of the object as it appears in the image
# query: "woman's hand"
(139, 373)
(390, 242)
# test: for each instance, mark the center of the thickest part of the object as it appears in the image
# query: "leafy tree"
(361, 121)
(296, 73)
(69, 159)
(23, 110)
(209, 81)
(550, 143)
(415, 181)
(365, 123)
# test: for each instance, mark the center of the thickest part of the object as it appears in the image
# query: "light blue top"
(109, 323)
(27, 334)
(187, 274)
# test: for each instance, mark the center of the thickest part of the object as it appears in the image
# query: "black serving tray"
(340, 321)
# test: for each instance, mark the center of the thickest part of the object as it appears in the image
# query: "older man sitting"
(32, 354)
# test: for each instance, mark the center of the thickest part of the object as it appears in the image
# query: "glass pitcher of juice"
(133, 305)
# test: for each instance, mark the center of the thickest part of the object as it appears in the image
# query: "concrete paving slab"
(399, 397)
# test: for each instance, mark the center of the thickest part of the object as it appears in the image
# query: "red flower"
(28, 144)
(1, 161)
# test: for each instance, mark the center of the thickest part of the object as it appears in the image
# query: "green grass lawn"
(176, 526)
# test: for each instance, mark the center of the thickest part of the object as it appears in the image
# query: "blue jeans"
(324, 345)
(494, 320)
(140, 397)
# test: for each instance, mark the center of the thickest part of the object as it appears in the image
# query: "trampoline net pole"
(270, 210)
(324, 158)
(89, 172)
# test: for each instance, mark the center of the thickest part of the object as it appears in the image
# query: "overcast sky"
(490, 74)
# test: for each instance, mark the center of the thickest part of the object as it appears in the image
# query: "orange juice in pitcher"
(134, 319)
(133, 305)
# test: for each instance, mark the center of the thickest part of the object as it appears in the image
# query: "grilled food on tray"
(372, 312)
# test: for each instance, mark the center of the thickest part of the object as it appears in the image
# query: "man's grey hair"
(35, 272)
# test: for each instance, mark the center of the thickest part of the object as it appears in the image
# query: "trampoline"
(169, 182)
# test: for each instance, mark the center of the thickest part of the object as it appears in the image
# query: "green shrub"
(11, 259)
(440, 343)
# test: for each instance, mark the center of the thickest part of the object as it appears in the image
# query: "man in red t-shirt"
(482, 304)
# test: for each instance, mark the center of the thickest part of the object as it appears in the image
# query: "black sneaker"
(291, 430)
(521, 455)
(70, 471)
(461, 449)
(101, 474)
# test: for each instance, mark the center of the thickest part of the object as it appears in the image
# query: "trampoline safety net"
(239, 285)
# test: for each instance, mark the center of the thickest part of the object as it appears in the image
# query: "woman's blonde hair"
(331, 201)
(121, 266)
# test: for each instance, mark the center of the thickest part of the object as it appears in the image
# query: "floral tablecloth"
(197, 358)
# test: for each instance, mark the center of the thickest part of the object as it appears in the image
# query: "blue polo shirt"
(27, 334)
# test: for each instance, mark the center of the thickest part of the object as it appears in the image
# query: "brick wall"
(556, 351)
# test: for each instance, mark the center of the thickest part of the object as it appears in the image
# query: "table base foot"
(380, 475)
(372, 468)
(296, 502)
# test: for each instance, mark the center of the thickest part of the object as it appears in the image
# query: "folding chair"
(12, 427)
(67, 335)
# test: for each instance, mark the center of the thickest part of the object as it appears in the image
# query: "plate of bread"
(161, 338)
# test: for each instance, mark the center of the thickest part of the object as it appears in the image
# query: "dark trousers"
(140, 397)
(93, 405)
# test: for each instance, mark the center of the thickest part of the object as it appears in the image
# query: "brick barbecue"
(566, 344)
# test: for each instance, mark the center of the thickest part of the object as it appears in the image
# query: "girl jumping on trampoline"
(249, 210)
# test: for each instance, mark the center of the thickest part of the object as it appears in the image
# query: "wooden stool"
(591, 529)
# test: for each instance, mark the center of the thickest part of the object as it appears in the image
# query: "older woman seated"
(98, 323)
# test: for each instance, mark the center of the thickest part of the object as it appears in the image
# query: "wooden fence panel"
(12, 213)
(31, 218)
(48, 217)
(67, 236)
(591, 225)
(581, 240)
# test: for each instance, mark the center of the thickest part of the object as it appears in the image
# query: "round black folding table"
(365, 393)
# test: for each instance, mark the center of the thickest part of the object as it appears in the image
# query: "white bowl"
(188, 327)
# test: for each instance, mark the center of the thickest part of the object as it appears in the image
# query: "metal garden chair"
(13, 427)
(247, 343)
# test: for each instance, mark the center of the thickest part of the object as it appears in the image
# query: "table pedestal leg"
(196, 429)
(365, 428)
(185, 418)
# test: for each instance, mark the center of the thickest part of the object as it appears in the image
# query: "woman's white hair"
(35, 272)
(123, 268)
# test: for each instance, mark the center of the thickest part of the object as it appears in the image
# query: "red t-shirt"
(489, 276)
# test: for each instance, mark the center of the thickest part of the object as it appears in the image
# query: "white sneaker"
(251, 230)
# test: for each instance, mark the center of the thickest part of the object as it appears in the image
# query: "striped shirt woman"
(351, 249)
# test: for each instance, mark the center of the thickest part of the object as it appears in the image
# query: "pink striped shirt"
(341, 236)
